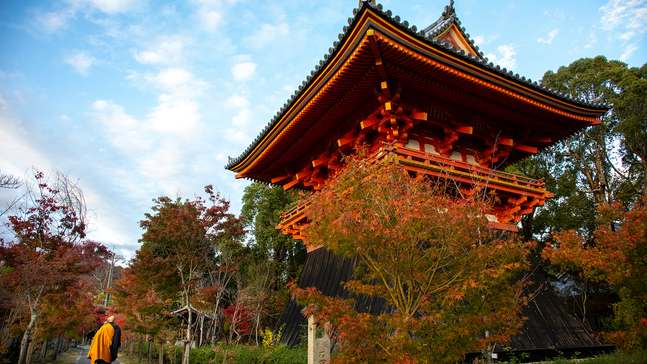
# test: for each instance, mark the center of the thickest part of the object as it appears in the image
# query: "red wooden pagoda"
(427, 99)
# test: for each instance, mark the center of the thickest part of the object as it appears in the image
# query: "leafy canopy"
(448, 277)
(617, 257)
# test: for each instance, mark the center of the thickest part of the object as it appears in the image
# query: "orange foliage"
(617, 256)
(448, 278)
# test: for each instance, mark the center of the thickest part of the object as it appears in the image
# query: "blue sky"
(138, 99)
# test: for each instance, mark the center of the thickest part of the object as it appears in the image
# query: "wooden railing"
(452, 165)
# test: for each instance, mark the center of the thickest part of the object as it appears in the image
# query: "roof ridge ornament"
(449, 10)
(370, 2)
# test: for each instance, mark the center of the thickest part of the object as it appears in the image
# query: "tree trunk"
(141, 348)
(43, 352)
(187, 341)
(526, 225)
(56, 344)
(30, 352)
(150, 350)
(26, 338)
(161, 353)
(201, 330)
(59, 346)
(132, 347)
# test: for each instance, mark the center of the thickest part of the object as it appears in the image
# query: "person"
(106, 343)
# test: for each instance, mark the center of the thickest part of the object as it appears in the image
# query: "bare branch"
(8, 181)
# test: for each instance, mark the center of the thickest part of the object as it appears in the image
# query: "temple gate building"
(429, 100)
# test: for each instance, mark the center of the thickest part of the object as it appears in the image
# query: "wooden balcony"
(517, 195)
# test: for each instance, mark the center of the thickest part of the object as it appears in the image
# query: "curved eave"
(352, 60)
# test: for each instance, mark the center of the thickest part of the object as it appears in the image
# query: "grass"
(244, 354)
(613, 358)
(68, 357)
(241, 354)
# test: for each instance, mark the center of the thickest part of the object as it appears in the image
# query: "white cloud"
(244, 113)
(177, 81)
(629, 50)
(177, 113)
(121, 130)
(51, 22)
(165, 165)
(242, 118)
(268, 34)
(504, 58)
(211, 13)
(592, 40)
(555, 14)
(19, 148)
(111, 6)
(81, 62)
(482, 40)
(237, 102)
(17, 96)
(172, 77)
(118, 120)
(211, 19)
(550, 36)
(176, 116)
(625, 19)
(165, 50)
(243, 71)
(237, 136)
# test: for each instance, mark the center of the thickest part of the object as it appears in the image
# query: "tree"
(184, 233)
(68, 309)
(269, 249)
(104, 275)
(448, 277)
(571, 208)
(617, 257)
(146, 293)
(214, 287)
(598, 166)
(47, 254)
(630, 108)
(592, 154)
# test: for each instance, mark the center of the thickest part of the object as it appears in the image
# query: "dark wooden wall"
(550, 323)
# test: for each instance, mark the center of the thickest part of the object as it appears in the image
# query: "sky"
(137, 99)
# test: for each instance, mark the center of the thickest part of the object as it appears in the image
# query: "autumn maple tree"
(615, 256)
(185, 235)
(46, 258)
(451, 281)
(146, 294)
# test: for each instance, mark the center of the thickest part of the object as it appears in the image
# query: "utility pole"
(112, 267)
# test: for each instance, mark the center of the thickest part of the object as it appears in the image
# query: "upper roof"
(342, 73)
(444, 23)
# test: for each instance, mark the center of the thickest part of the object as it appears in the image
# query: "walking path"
(83, 356)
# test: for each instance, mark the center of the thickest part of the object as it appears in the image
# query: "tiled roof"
(427, 35)
(444, 22)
